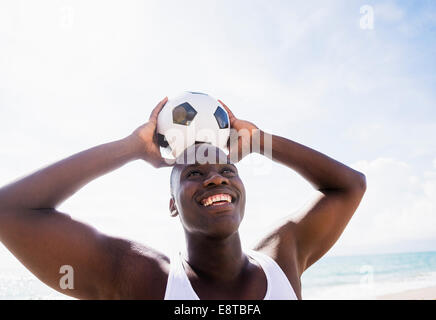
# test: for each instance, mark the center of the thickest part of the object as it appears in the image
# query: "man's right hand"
(146, 135)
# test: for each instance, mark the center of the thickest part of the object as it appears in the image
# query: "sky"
(76, 74)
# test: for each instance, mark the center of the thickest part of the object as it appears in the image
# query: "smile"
(217, 200)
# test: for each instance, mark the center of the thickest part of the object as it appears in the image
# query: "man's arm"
(300, 241)
(44, 239)
(307, 236)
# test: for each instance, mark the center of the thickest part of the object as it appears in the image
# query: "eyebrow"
(196, 165)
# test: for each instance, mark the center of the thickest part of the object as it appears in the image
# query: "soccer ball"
(190, 118)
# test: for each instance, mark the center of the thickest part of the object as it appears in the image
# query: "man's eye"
(194, 173)
(228, 171)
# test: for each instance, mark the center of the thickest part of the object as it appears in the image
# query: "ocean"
(350, 277)
(368, 276)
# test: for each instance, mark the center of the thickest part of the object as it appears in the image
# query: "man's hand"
(245, 130)
(147, 137)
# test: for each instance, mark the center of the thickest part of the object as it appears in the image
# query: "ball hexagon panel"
(184, 114)
(161, 141)
(221, 117)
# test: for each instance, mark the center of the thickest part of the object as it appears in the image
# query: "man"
(209, 199)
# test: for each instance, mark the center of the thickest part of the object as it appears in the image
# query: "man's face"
(209, 197)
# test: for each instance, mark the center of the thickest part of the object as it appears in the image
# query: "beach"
(416, 294)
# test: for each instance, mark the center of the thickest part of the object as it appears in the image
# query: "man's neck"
(216, 259)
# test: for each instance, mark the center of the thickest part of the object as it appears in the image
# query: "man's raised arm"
(310, 234)
(302, 240)
(44, 239)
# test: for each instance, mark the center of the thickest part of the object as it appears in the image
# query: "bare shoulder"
(141, 271)
(280, 245)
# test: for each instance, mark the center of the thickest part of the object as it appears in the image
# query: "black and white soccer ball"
(190, 118)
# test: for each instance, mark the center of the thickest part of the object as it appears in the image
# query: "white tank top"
(278, 286)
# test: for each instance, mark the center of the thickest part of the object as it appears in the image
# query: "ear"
(173, 208)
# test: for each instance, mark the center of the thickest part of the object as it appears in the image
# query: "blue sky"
(77, 74)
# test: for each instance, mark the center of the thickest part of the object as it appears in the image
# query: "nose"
(215, 179)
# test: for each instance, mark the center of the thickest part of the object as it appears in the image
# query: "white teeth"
(216, 198)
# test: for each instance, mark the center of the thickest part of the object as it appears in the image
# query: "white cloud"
(399, 207)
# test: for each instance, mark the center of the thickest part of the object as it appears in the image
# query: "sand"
(416, 294)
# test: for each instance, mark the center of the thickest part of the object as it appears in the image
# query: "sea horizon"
(368, 276)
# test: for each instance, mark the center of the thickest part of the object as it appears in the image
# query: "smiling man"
(209, 198)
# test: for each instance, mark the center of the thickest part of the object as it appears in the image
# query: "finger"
(231, 115)
(165, 162)
(157, 109)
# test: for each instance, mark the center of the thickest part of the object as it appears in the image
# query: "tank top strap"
(178, 285)
(279, 287)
